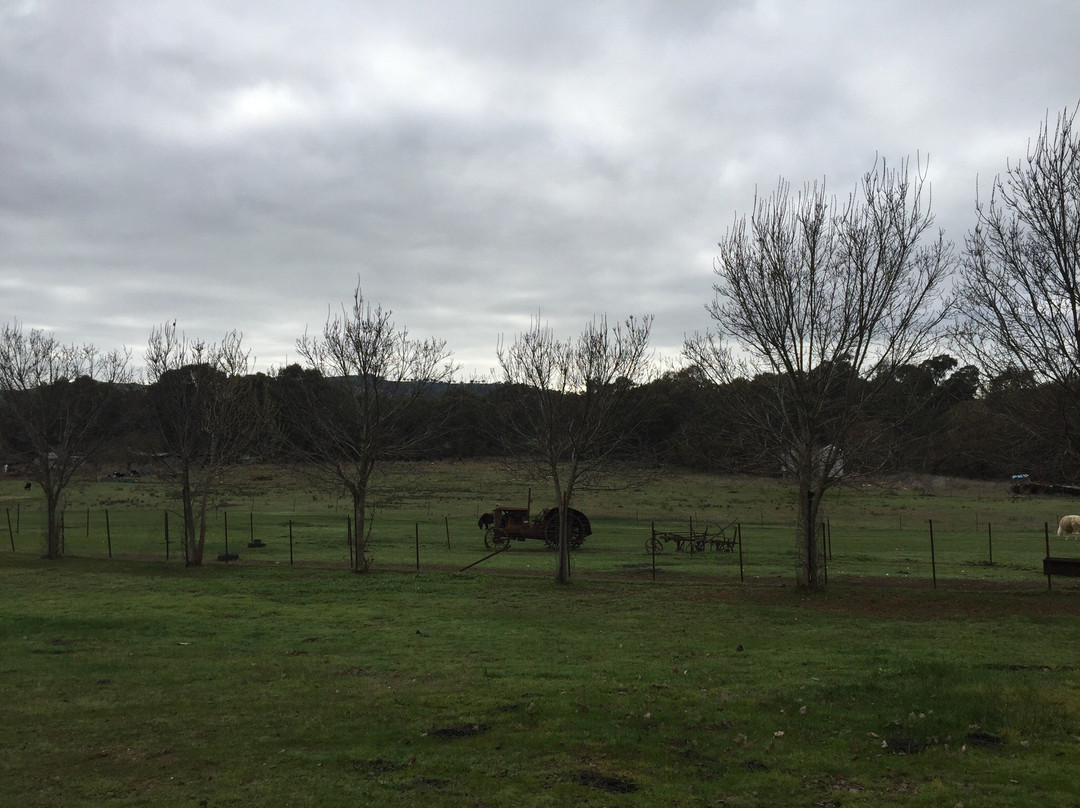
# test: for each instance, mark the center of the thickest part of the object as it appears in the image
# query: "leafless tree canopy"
(359, 406)
(817, 301)
(59, 398)
(570, 412)
(200, 404)
(1020, 280)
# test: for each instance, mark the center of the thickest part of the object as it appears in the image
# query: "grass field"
(879, 530)
(133, 681)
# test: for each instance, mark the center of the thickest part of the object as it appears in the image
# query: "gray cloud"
(473, 164)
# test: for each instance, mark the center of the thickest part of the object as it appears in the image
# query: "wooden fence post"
(825, 553)
(1046, 531)
(652, 547)
(933, 558)
(738, 530)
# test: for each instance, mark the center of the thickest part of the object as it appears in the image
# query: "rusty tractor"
(505, 524)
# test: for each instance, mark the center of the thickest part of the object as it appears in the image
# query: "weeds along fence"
(127, 532)
(281, 537)
(926, 552)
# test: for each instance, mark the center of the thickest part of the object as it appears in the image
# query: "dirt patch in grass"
(612, 784)
(462, 731)
(888, 597)
(377, 766)
(902, 745)
(984, 740)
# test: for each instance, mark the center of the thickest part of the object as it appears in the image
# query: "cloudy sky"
(472, 163)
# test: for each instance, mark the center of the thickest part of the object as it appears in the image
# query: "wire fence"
(914, 550)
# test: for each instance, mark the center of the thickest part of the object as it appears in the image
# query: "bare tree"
(816, 303)
(1020, 278)
(358, 405)
(199, 400)
(60, 399)
(572, 413)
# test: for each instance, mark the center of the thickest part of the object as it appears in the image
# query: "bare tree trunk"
(52, 540)
(562, 574)
(200, 546)
(191, 557)
(362, 562)
(806, 536)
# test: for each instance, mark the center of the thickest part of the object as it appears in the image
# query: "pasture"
(133, 681)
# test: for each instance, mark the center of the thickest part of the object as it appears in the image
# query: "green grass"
(134, 681)
(139, 683)
(876, 530)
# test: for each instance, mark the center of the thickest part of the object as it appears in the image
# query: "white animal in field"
(1068, 524)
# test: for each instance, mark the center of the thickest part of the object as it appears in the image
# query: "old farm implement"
(505, 524)
(722, 538)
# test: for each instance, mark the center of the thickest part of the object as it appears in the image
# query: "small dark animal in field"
(485, 521)
(28, 486)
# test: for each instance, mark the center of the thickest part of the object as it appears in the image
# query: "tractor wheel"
(494, 540)
(654, 544)
(551, 529)
(575, 530)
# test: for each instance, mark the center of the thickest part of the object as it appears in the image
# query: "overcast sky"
(472, 163)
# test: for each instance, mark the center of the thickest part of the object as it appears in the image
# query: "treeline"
(938, 418)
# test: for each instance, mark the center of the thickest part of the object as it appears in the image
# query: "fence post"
(446, 519)
(738, 530)
(652, 547)
(166, 535)
(417, 545)
(10, 534)
(825, 553)
(108, 531)
(990, 542)
(1046, 531)
(348, 538)
(290, 543)
(933, 559)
